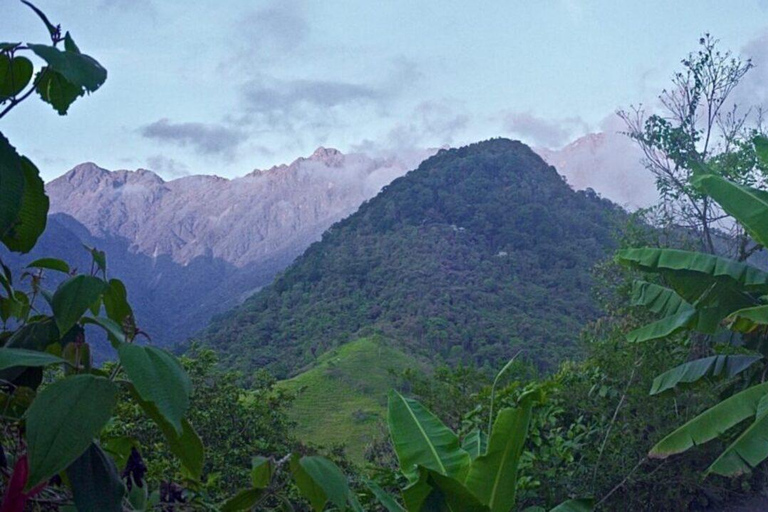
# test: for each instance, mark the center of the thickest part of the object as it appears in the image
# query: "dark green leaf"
(50, 264)
(10, 357)
(78, 69)
(243, 500)
(33, 214)
(95, 482)
(387, 501)
(580, 505)
(761, 148)
(15, 75)
(159, 379)
(724, 367)
(11, 185)
(72, 299)
(63, 420)
(748, 319)
(475, 443)
(55, 90)
(319, 480)
(261, 472)
(665, 327)
(114, 331)
(69, 44)
(659, 299)
(116, 303)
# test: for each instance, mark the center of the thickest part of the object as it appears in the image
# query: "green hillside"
(342, 399)
(481, 251)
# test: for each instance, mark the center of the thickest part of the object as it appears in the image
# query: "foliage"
(479, 252)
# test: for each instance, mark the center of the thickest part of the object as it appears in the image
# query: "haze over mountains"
(195, 246)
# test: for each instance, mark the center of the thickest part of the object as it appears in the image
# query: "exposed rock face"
(609, 163)
(196, 246)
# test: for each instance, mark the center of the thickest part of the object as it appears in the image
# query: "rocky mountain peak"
(328, 156)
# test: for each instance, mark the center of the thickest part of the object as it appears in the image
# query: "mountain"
(198, 245)
(478, 253)
(608, 162)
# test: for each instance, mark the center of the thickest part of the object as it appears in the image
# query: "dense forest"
(479, 253)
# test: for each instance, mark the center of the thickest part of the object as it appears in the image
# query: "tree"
(700, 124)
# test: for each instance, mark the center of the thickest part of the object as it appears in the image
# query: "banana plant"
(444, 474)
(718, 297)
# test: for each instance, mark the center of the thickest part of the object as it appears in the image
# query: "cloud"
(753, 89)
(205, 139)
(539, 131)
(168, 167)
(272, 31)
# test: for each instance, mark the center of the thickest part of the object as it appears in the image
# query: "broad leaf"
(665, 327)
(261, 472)
(434, 492)
(114, 331)
(15, 74)
(33, 214)
(712, 422)
(51, 264)
(724, 366)
(243, 500)
(78, 69)
(699, 266)
(747, 205)
(11, 185)
(95, 482)
(116, 303)
(659, 299)
(421, 439)
(56, 90)
(493, 476)
(748, 450)
(319, 480)
(187, 446)
(10, 357)
(63, 420)
(386, 500)
(159, 379)
(72, 299)
(580, 505)
(475, 443)
(748, 319)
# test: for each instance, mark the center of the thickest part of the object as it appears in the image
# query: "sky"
(231, 86)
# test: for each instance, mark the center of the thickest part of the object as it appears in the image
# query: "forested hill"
(479, 252)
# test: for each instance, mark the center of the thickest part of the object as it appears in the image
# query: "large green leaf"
(747, 205)
(723, 366)
(33, 214)
(704, 267)
(664, 327)
(421, 439)
(319, 480)
(51, 264)
(261, 472)
(95, 482)
(78, 69)
(748, 319)
(114, 331)
(15, 74)
(386, 500)
(10, 357)
(11, 185)
(712, 422)
(72, 299)
(433, 492)
(243, 500)
(659, 299)
(63, 420)
(493, 476)
(748, 450)
(116, 304)
(56, 90)
(187, 446)
(475, 443)
(159, 379)
(578, 505)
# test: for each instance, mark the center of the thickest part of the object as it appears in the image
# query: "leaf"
(95, 482)
(159, 379)
(387, 501)
(11, 185)
(434, 492)
(187, 446)
(493, 476)
(114, 331)
(116, 303)
(475, 443)
(723, 366)
(10, 357)
(319, 480)
(662, 328)
(712, 422)
(63, 420)
(748, 450)
(761, 148)
(72, 299)
(33, 214)
(243, 500)
(658, 299)
(15, 74)
(52, 31)
(421, 439)
(747, 205)
(69, 44)
(51, 264)
(701, 265)
(56, 90)
(748, 319)
(261, 472)
(579, 505)
(78, 69)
